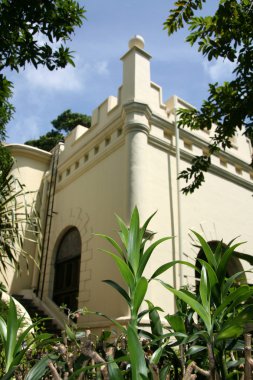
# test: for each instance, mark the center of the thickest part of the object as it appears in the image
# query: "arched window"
(67, 270)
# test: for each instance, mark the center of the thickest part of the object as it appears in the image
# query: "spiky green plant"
(224, 310)
(16, 341)
(131, 258)
(19, 222)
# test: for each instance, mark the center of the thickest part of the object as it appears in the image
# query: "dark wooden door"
(67, 270)
(66, 285)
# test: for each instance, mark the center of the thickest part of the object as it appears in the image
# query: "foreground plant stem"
(54, 372)
(248, 366)
(212, 364)
(193, 367)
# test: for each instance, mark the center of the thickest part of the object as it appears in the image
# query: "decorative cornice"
(162, 123)
(214, 169)
(30, 152)
(161, 144)
(203, 144)
(136, 127)
(136, 49)
(220, 172)
(134, 106)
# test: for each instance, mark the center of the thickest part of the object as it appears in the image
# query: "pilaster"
(136, 128)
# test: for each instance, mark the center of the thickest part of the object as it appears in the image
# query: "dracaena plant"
(16, 339)
(131, 258)
(223, 308)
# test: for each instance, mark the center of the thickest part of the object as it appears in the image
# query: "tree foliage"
(227, 34)
(48, 141)
(63, 124)
(68, 120)
(6, 163)
(34, 32)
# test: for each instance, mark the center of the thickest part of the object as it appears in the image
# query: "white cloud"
(102, 68)
(59, 80)
(70, 78)
(220, 70)
(37, 93)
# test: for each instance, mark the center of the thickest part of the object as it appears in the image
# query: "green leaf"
(125, 272)
(218, 252)
(3, 330)
(231, 280)
(39, 369)
(176, 322)
(195, 349)
(207, 250)
(124, 231)
(164, 372)
(12, 330)
(139, 293)
(195, 305)
(242, 319)
(232, 331)
(116, 323)
(8, 375)
(105, 335)
(222, 267)
(22, 337)
(213, 279)
(234, 299)
(146, 256)
(136, 355)
(112, 242)
(167, 266)
(155, 320)
(156, 356)
(119, 289)
(134, 243)
(70, 334)
(199, 334)
(145, 225)
(114, 371)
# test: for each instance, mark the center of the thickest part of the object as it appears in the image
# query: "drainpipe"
(179, 213)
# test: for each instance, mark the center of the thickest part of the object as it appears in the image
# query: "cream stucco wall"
(88, 198)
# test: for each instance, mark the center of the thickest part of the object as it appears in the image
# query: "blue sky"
(40, 96)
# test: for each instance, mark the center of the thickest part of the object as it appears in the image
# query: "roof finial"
(136, 41)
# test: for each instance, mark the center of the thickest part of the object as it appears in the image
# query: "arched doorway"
(67, 270)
